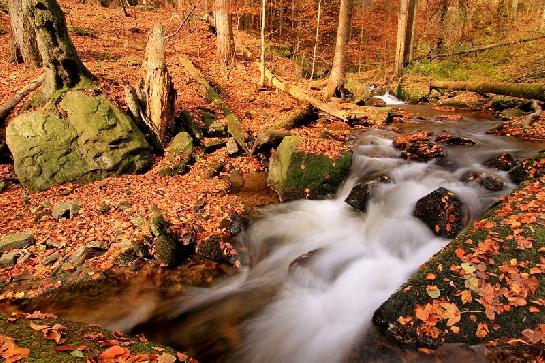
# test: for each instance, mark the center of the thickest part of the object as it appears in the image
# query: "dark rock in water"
(66, 210)
(503, 161)
(404, 141)
(454, 140)
(235, 224)
(211, 248)
(492, 183)
(384, 179)
(423, 151)
(489, 182)
(302, 261)
(533, 167)
(442, 211)
(358, 197)
(376, 102)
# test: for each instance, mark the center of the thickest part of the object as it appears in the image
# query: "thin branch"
(10, 104)
(182, 23)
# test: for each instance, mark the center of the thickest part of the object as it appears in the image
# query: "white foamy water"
(390, 100)
(319, 312)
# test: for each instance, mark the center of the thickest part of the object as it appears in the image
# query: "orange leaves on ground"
(460, 252)
(466, 297)
(54, 333)
(113, 354)
(482, 330)
(10, 351)
(536, 335)
(71, 347)
(430, 314)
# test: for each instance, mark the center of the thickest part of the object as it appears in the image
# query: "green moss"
(296, 174)
(84, 32)
(43, 351)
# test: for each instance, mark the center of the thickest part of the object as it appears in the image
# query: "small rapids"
(390, 99)
(322, 311)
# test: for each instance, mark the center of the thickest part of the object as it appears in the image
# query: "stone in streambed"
(423, 151)
(308, 168)
(454, 140)
(10, 258)
(503, 161)
(533, 167)
(442, 211)
(359, 197)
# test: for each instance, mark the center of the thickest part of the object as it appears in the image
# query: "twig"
(181, 24)
(10, 104)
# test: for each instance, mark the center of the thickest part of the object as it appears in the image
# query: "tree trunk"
(262, 70)
(226, 43)
(24, 45)
(156, 90)
(513, 10)
(401, 36)
(317, 39)
(408, 53)
(337, 76)
(542, 26)
(535, 91)
(63, 67)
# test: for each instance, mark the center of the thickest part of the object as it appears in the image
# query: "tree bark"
(63, 67)
(262, 70)
(24, 44)
(408, 53)
(156, 90)
(338, 71)
(226, 42)
(401, 36)
(535, 91)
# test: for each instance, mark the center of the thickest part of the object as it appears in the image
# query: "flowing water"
(321, 311)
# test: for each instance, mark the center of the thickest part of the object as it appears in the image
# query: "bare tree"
(262, 67)
(226, 42)
(401, 35)
(317, 39)
(336, 80)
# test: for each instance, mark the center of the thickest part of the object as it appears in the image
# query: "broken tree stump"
(156, 92)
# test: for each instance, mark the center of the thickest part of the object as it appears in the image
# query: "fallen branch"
(234, 126)
(10, 104)
(484, 47)
(343, 111)
(531, 91)
(181, 24)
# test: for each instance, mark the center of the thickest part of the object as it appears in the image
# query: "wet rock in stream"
(503, 161)
(442, 211)
(359, 197)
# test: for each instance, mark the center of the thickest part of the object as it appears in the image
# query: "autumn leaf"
(433, 291)
(404, 320)
(482, 330)
(166, 358)
(114, 352)
(37, 326)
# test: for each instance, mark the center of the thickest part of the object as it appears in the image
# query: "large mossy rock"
(308, 168)
(486, 284)
(88, 140)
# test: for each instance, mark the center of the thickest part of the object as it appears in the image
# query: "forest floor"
(112, 47)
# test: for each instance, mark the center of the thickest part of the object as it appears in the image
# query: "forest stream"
(319, 308)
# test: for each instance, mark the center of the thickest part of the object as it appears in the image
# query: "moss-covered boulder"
(533, 167)
(88, 139)
(177, 155)
(486, 284)
(308, 168)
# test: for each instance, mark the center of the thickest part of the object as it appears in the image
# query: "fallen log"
(484, 47)
(6, 108)
(234, 126)
(344, 111)
(534, 91)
